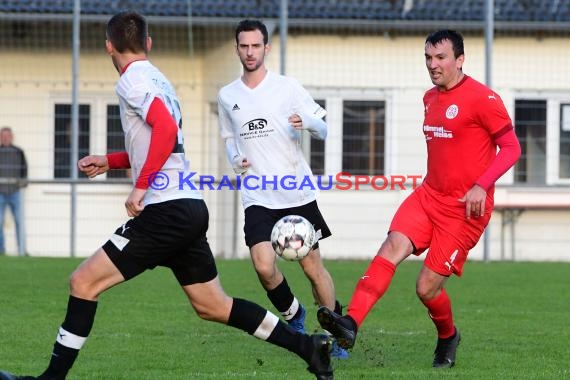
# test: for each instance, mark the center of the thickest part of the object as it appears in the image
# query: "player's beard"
(249, 69)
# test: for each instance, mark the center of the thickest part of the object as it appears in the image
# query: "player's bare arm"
(93, 165)
(474, 201)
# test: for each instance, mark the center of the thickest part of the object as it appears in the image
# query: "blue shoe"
(298, 323)
(338, 352)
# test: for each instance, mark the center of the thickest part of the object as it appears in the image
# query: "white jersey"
(137, 88)
(257, 119)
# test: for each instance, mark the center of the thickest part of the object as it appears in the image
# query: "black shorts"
(259, 221)
(171, 234)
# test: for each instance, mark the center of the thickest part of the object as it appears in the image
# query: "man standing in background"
(13, 177)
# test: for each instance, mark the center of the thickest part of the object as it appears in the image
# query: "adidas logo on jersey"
(236, 107)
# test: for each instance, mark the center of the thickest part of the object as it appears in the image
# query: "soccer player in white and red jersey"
(169, 223)
(261, 116)
(464, 123)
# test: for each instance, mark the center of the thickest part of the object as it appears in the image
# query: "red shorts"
(435, 222)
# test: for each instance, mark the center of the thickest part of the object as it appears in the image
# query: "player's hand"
(93, 165)
(296, 121)
(134, 203)
(474, 201)
(240, 164)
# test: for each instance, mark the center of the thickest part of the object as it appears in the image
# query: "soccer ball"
(293, 237)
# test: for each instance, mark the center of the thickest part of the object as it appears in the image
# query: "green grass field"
(513, 318)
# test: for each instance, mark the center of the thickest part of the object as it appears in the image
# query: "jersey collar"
(128, 64)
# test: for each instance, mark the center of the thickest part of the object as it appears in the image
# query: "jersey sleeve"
(118, 160)
(139, 93)
(224, 121)
(141, 99)
(233, 154)
(310, 111)
(304, 102)
(492, 113)
(163, 139)
(509, 153)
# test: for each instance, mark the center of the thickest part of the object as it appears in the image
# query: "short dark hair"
(128, 31)
(452, 36)
(248, 25)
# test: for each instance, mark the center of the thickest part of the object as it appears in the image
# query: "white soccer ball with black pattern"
(293, 237)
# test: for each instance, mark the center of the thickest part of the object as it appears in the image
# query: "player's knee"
(266, 271)
(396, 248)
(211, 313)
(79, 287)
(204, 314)
(425, 292)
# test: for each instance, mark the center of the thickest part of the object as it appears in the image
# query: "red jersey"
(460, 126)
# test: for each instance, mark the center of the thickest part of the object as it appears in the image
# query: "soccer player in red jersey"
(464, 123)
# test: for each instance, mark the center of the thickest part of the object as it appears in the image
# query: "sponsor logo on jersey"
(255, 124)
(256, 128)
(452, 111)
(236, 107)
(438, 132)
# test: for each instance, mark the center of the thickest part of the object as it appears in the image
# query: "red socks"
(375, 282)
(439, 310)
(370, 288)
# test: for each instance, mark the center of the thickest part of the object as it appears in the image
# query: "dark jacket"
(13, 169)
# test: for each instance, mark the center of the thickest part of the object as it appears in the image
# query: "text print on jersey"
(340, 181)
(255, 128)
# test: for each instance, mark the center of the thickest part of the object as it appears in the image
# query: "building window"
(364, 134)
(115, 139)
(564, 171)
(317, 156)
(530, 127)
(62, 140)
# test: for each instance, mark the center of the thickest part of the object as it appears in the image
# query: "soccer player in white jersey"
(168, 225)
(261, 117)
